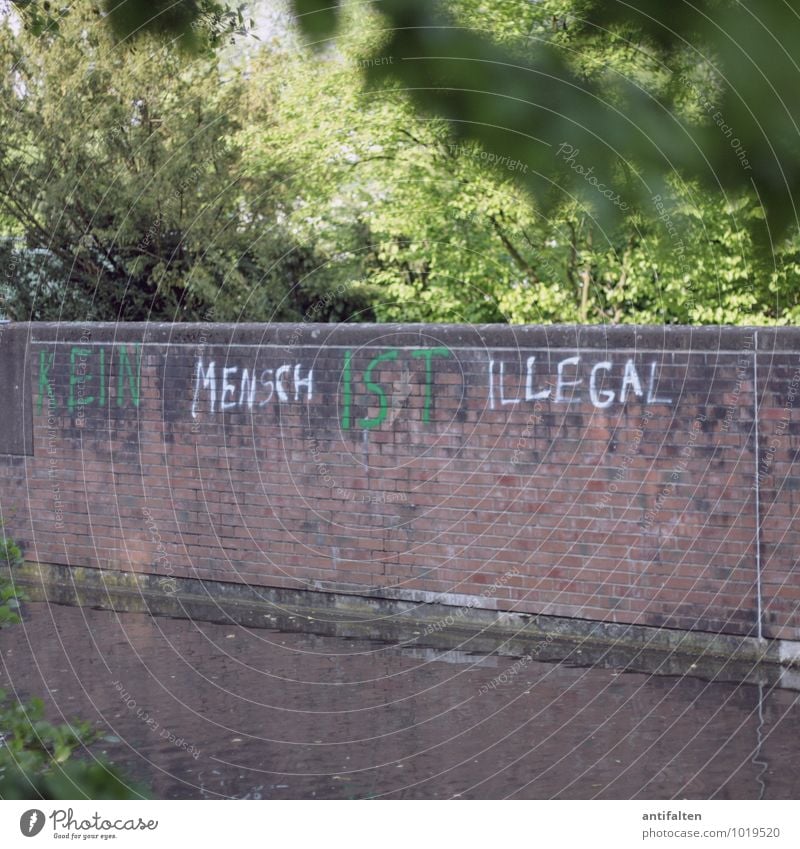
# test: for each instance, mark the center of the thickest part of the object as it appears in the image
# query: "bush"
(36, 757)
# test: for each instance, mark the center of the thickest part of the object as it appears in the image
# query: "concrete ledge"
(789, 652)
(409, 625)
(567, 336)
(16, 431)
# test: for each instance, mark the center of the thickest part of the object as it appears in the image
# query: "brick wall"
(615, 474)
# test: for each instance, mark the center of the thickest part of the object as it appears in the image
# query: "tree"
(523, 103)
(121, 167)
(349, 202)
(440, 229)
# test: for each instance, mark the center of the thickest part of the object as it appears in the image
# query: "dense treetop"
(459, 161)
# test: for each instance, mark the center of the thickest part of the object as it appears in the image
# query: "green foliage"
(521, 99)
(37, 758)
(122, 166)
(10, 552)
(196, 26)
(29, 737)
(10, 597)
(523, 85)
(436, 228)
(459, 161)
(129, 20)
(40, 17)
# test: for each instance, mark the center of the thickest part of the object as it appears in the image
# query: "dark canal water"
(208, 711)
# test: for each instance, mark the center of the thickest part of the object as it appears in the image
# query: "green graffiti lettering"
(429, 354)
(347, 389)
(376, 389)
(78, 378)
(102, 399)
(45, 364)
(134, 380)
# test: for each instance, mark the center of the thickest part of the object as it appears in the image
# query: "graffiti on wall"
(95, 376)
(426, 356)
(603, 383)
(222, 387)
(227, 388)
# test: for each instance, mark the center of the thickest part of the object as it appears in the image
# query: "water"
(212, 711)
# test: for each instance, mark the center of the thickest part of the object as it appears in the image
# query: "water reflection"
(208, 710)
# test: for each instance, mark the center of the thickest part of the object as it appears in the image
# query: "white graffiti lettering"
(236, 388)
(608, 383)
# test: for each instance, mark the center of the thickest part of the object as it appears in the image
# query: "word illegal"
(571, 374)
